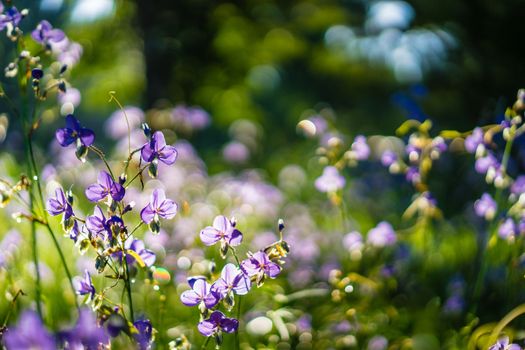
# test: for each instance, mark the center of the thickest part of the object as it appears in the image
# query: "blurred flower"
(29, 333)
(117, 126)
(353, 241)
(236, 152)
(145, 333)
(474, 140)
(330, 181)
(44, 33)
(190, 118)
(85, 286)
(388, 158)
(86, 334)
(377, 343)
(485, 207)
(507, 229)
(503, 344)
(382, 235)
(217, 322)
(360, 148)
(11, 18)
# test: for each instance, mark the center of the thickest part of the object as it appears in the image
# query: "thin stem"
(38, 291)
(103, 158)
(136, 175)
(112, 97)
(205, 343)
(11, 307)
(128, 286)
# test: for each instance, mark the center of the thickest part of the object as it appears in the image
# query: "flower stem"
(34, 249)
(128, 286)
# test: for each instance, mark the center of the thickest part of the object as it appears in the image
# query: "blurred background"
(370, 64)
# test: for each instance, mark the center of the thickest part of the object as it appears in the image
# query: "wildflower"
(259, 266)
(216, 323)
(98, 224)
(145, 333)
(158, 207)
(104, 187)
(85, 286)
(86, 334)
(222, 230)
(518, 187)
(360, 148)
(29, 333)
(232, 279)
(330, 181)
(474, 141)
(200, 294)
(10, 19)
(45, 33)
(388, 158)
(507, 229)
(353, 241)
(136, 245)
(156, 148)
(382, 235)
(483, 164)
(59, 204)
(485, 207)
(503, 344)
(74, 132)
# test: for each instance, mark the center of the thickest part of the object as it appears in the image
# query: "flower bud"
(153, 168)
(146, 129)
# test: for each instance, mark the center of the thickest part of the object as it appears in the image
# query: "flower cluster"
(106, 230)
(234, 279)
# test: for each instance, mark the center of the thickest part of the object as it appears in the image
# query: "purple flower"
(382, 235)
(353, 241)
(330, 181)
(59, 204)
(29, 333)
(388, 158)
(105, 186)
(145, 333)
(360, 148)
(86, 334)
(217, 322)
(11, 18)
(200, 293)
(260, 265)
(503, 344)
(483, 164)
(44, 33)
(485, 207)
(232, 279)
(377, 343)
(136, 245)
(73, 132)
(507, 229)
(412, 174)
(85, 285)
(158, 207)
(156, 148)
(518, 187)
(222, 230)
(98, 224)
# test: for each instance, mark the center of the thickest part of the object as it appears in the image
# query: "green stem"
(38, 291)
(128, 287)
(205, 343)
(103, 158)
